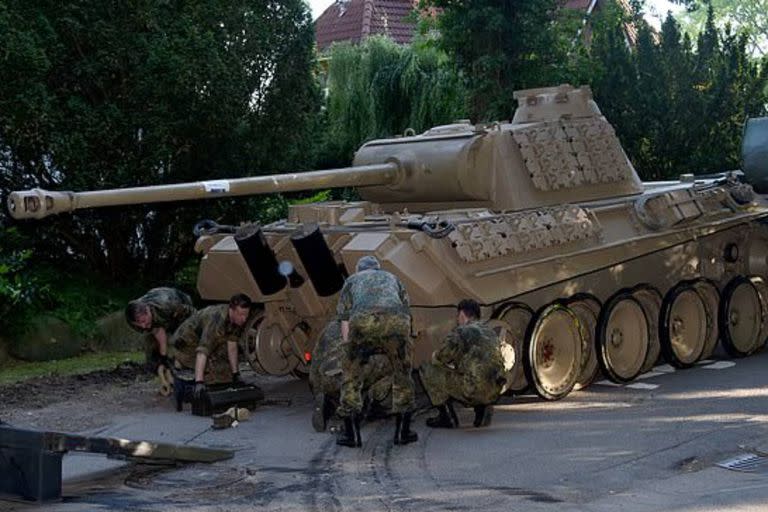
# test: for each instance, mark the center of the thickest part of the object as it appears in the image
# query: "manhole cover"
(747, 463)
(201, 478)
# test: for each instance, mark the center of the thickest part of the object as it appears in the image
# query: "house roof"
(354, 20)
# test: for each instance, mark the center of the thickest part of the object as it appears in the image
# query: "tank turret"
(559, 148)
(579, 265)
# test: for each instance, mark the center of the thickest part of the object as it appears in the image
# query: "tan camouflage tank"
(581, 266)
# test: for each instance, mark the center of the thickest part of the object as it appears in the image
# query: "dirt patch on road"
(79, 402)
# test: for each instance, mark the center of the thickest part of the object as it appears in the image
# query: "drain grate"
(746, 463)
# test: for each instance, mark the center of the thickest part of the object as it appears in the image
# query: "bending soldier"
(469, 368)
(325, 378)
(208, 342)
(159, 313)
(374, 313)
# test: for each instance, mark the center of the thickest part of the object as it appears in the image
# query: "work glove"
(200, 388)
(236, 380)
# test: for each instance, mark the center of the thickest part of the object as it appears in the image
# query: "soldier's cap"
(368, 263)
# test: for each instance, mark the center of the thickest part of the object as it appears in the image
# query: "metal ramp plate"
(30, 461)
(746, 463)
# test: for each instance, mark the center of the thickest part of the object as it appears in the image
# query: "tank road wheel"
(683, 329)
(249, 343)
(650, 300)
(741, 317)
(265, 348)
(762, 290)
(622, 337)
(709, 293)
(516, 317)
(587, 309)
(507, 343)
(552, 358)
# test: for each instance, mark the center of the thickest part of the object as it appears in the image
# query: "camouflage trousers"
(442, 383)
(327, 377)
(377, 333)
(183, 348)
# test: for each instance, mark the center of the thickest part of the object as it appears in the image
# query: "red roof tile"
(354, 20)
(390, 18)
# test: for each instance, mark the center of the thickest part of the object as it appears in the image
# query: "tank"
(580, 266)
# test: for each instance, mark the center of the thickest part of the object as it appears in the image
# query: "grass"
(20, 371)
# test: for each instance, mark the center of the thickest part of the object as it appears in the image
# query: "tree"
(751, 16)
(502, 46)
(101, 94)
(15, 286)
(677, 107)
(380, 89)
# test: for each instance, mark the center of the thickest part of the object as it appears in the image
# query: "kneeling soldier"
(158, 313)
(375, 318)
(208, 342)
(469, 368)
(325, 378)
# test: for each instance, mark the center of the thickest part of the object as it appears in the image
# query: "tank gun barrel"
(38, 203)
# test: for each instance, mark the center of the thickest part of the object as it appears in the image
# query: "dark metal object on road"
(277, 401)
(30, 461)
(216, 399)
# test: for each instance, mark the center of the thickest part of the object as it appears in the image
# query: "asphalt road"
(653, 446)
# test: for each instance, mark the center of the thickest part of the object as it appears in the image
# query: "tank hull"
(534, 257)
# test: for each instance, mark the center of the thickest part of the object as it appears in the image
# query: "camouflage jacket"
(472, 349)
(212, 328)
(372, 291)
(169, 308)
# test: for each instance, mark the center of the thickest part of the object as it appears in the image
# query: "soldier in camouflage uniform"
(325, 378)
(158, 314)
(208, 341)
(375, 318)
(469, 368)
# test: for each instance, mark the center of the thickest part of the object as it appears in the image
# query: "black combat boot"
(320, 414)
(356, 419)
(443, 418)
(178, 393)
(452, 412)
(403, 432)
(483, 415)
(351, 435)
